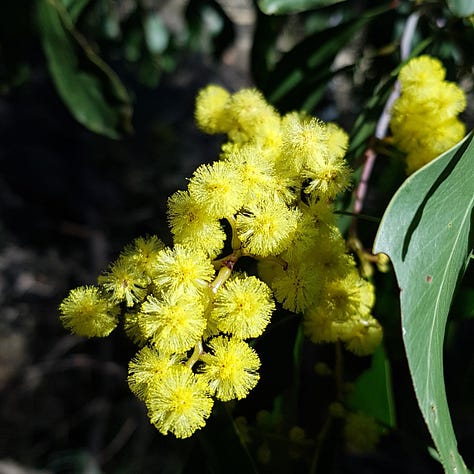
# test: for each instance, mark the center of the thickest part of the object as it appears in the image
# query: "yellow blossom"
(251, 115)
(303, 139)
(192, 226)
(424, 119)
(142, 252)
(266, 227)
(174, 322)
(124, 281)
(86, 312)
(243, 307)
(421, 70)
(179, 403)
(182, 268)
(230, 368)
(146, 370)
(218, 188)
(210, 108)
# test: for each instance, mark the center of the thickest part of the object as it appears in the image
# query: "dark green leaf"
(461, 7)
(364, 127)
(310, 61)
(74, 8)
(90, 89)
(427, 232)
(263, 53)
(373, 392)
(209, 23)
(281, 7)
(464, 303)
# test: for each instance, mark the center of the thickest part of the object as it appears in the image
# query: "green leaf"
(156, 35)
(365, 125)
(309, 63)
(89, 88)
(426, 231)
(461, 8)
(281, 7)
(209, 26)
(74, 8)
(263, 52)
(373, 392)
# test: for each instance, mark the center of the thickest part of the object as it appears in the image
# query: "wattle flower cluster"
(268, 197)
(424, 119)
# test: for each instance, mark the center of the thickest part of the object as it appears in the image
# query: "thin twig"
(383, 122)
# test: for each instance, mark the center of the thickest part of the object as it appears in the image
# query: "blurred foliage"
(83, 40)
(338, 59)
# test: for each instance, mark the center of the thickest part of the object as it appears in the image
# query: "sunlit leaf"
(280, 7)
(89, 88)
(427, 232)
(308, 64)
(461, 7)
(156, 33)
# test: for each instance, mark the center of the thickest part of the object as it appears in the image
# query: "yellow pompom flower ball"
(251, 117)
(297, 286)
(193, 226)
(182, 269)
(179, 403)
(147, 369)
(266, 227)
(174, 322)
(364, 336)
(143, 251)
(217, 188)
(124, 281)
(210, 108)
(230, 368)
(424, 119)
(421, 70)
(87, 313)
(243, 307)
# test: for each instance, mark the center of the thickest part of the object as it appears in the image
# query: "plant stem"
(382, 124)
(319, 444)
(197, 352)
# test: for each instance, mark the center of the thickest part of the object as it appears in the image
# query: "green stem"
(319, 444)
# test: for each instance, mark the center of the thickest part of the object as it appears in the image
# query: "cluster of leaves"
(82, 39)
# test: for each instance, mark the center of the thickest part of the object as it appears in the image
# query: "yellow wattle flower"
(242, 307)
(86, 312)
(424, 119)
(179, 403)
(230, 368)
